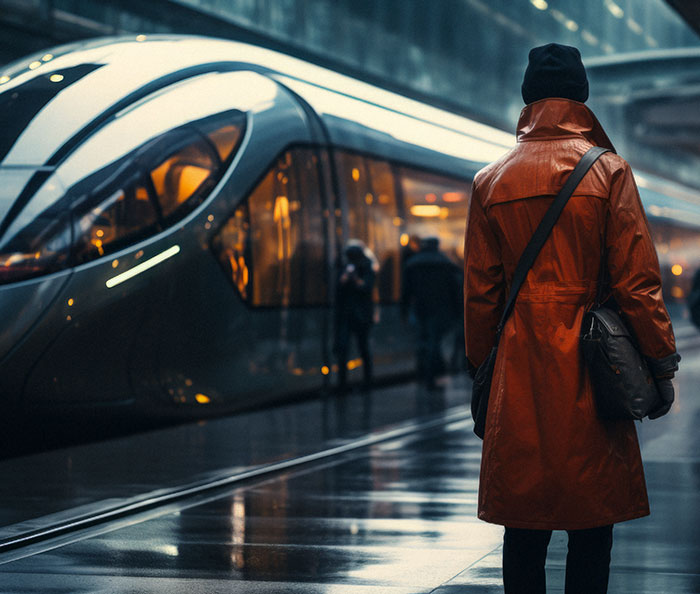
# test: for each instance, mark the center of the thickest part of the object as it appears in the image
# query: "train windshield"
(147, 168)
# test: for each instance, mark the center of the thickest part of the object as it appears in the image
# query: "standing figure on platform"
(354, 309)
(549, 462)
(432, 293)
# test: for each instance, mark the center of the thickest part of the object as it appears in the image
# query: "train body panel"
(174, 211)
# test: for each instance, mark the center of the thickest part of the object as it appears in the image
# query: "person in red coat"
(548, 462)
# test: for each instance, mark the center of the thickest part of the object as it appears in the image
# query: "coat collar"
(553, 118)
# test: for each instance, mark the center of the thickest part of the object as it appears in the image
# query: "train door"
(274, 249)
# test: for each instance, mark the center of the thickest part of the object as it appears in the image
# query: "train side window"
(436, 206)
(368, 186)
(272, 247)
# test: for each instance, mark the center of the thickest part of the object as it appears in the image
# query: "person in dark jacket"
(431, 291)
(354, 309)
(548, 461)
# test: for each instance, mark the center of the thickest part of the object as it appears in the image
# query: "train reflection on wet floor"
(394, 515)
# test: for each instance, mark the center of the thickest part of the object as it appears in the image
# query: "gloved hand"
(663, 371)
(665, 388)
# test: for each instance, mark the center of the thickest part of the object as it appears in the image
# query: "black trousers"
(587, 562)
(430, 362)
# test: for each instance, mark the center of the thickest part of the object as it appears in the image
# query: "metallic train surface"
(172, 210)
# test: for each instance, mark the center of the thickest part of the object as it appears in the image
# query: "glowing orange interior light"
(225, 139)
(453, 196)
(202, 398)
(281, 209)
(190, 179)
(425, 210)
(677, 269)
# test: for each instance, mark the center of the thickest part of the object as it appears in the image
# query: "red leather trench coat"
(548, 462)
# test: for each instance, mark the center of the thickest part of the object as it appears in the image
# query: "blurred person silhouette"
(354, 309)
(549, 462)
(432, 294)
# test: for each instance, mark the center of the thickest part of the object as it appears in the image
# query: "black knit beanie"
(555, 71)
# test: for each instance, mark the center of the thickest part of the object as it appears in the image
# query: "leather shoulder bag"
(623, 386)
(481, 387)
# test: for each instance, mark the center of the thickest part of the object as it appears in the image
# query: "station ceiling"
(656, 93)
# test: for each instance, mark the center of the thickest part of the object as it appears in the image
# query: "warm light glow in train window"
(273, 245)
(281, 210)
(425, 210)
(325, 370)
(231, 243)
(677, 292)
(430, 197)
(444, 218)
(677, 269)
(177, 179)
(404, 239)
(202, 398)
(191, 177)
(225, 139)
(454, 196)
(372, 217)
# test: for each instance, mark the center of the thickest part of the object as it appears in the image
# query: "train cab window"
(368, 186)
(435, 206)
(272, 247)
(192, 169)
(160, 184)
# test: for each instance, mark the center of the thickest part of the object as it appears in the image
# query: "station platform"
(358, 493)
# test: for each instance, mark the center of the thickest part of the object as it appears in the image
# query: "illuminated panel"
(148, 264)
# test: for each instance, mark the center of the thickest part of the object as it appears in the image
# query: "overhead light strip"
(150, 263)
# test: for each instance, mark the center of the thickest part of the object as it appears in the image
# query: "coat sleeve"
(484, 284)
(634, 268)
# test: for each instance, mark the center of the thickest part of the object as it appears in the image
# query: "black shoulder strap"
(545, 228)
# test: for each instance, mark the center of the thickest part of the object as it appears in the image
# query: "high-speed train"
(173, 209)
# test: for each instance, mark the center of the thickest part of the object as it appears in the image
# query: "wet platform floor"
(396, 516)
